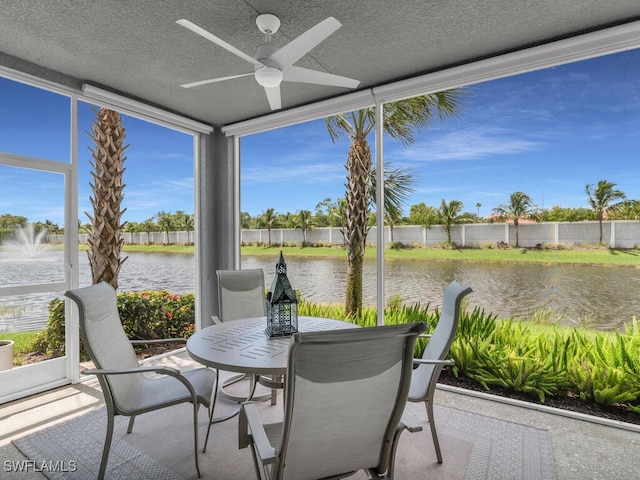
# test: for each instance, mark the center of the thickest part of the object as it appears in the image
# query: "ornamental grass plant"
(533, 359)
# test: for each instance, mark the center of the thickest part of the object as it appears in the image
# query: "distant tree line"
(160, 222)
(9, 223)
(605, 200)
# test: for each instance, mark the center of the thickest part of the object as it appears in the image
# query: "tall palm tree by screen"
(601, 198)
(400, 119)
(106, 236)
(520, 207)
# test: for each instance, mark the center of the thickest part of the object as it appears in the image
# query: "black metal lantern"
(282, 304)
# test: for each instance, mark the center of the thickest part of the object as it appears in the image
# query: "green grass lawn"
(601, 256)
(586, 256)
(22, 340)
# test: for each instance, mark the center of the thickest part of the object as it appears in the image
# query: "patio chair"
(241, 294)
(426, 374)
(127, 387)
(345, 395)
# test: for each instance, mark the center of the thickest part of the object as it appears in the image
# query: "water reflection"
(602, 297)
(606, 296)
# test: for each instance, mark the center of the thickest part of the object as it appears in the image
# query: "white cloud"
(300, 172)
(467, 144)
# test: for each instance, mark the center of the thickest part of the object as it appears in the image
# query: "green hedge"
(145, 315)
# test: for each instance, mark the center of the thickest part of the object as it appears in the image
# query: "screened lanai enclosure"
(154, 62)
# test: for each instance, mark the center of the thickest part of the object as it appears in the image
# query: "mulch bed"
(567, 401)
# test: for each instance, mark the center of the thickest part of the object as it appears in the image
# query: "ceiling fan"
(275, 65)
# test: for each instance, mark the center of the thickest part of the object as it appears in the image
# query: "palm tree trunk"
(353, 304)
(600, 222)
(355, 232)
(106, 237)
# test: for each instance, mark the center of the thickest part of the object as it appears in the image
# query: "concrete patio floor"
(582, 449)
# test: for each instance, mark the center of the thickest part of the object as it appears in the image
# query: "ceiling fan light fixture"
(268, 76)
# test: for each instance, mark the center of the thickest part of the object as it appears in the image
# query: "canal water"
(601, 297)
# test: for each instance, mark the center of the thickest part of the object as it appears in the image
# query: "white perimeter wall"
(617, 234)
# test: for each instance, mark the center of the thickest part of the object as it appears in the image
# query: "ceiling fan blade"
(214, 80)
(300, 46)
(218, 41)
(306, 75)
(273, 95)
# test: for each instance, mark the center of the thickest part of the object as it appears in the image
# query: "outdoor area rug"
(73, 449)
(498, 449)
(474, 447)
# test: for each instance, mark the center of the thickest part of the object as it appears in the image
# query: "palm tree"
(106, 238)
(520, 206)
(400, 120)
(130, 228)
(148, 226)
(628, 210)
(449, 214)
(185, 220)
(165, 222)
(51, 227)
(304, 222)
(268, 220)
(338, 214)
(601, 198)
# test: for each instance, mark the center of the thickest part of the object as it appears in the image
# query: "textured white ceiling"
(137, 49)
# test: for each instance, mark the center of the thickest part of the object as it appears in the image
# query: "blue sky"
(33, 122)
(546, 133)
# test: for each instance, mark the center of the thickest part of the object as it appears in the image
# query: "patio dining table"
(243, 346)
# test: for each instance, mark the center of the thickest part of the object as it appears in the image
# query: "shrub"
(144, 315)
(538, 360)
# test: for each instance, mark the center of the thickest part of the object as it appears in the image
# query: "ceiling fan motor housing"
(268, 74)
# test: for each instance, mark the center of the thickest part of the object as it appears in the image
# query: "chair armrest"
(249, 421)
(158, 340)
(162, 370)
(418, 361)
(424, 335)
(125, 371)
